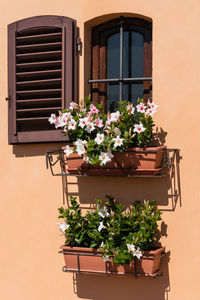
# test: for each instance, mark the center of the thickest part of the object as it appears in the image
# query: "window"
(121, 61)
(41, 64)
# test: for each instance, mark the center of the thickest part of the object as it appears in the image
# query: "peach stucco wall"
(30, 268)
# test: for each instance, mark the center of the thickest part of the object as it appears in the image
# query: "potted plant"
(111, 239)
(113, 143)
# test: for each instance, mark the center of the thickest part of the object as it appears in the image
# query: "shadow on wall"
(28, 150)
(116, 287)
(165, 190)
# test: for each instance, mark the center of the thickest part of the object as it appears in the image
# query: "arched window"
(121, 61)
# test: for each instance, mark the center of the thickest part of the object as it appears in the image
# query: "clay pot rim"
(150, 148)
(151, 252)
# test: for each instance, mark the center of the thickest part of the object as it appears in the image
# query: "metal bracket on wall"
(107, 271)
(56, 157)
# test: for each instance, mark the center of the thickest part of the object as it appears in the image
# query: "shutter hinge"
(8, 99)
(78, 45)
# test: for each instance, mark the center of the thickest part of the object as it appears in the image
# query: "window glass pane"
(112, 96)
(133, 66)
(113, 56)
(131, 92)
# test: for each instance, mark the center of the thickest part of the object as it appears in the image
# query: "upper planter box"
(134, 161)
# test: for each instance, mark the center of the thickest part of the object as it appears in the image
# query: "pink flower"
(99, 123)
(93, 109)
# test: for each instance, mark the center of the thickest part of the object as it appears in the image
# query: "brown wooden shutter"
(41, 76)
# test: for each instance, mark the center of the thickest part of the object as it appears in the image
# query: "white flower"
(86, 159)
(106, 258)
(80, 142)
(138, 253)
(102, 245)
(141, 107)
(58, 122)
(104, 158)
(83, 122)
(139, 128)
(80, 150)
(132, 110)
(63, 120)
(83, 110)
(103, 212)
(73, 105)
(72, 124)
(117, 131)
(101, 226)
(118, 141)
(114, 117)
(68, 151)
(150, 112)
(63, 227)
(152, 105)
(131, 248)
(52, 119)
(99, 138)
(90, 127)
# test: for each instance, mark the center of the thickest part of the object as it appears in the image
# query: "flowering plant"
(118, 232)
(96, 135)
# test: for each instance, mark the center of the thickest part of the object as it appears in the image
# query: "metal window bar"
(107, 272)
(169, 155)
(110, 80)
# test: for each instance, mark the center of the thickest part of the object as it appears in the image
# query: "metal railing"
(58, 157)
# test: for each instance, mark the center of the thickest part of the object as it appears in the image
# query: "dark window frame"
(100, 35)
(68, 82)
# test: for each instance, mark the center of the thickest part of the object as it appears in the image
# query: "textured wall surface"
(30, 265)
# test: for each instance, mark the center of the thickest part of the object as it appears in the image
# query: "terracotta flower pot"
(88, 260)
(134, 161)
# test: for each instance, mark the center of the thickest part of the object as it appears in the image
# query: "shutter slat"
(42, 38)
(38, 47)
(36, 112)
(31, 119)
(39, 56)
(36, 94)
(38, 109)
(34, 66)
(27, 101)
(37, 103)
(38, 91)
(47, 74)
(47, 83)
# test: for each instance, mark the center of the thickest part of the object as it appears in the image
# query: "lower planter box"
(88, 260)
(134, 161)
